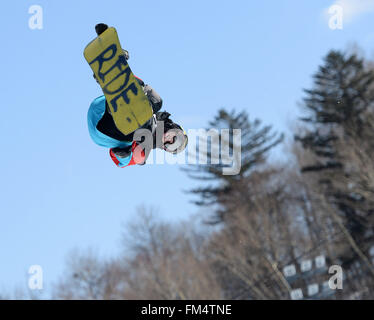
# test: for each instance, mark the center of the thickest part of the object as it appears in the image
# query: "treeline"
(266, 218)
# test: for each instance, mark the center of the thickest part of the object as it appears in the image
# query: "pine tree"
(256, 141)
(341, 95)
(340, 122)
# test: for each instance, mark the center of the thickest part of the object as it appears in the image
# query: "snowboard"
(127, 102)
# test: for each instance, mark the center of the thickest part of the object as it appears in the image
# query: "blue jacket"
(95, 113)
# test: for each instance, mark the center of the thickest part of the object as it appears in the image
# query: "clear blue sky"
(59, 190)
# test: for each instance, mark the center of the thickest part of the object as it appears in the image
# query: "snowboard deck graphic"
(127, 102)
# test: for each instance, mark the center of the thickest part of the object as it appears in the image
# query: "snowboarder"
(124, 149)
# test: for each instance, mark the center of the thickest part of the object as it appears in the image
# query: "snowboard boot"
(100, 28)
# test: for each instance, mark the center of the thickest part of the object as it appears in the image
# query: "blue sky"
(59, 190)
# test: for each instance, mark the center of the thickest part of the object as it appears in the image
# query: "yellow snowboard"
(128, 104)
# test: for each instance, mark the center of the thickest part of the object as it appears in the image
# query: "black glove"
(168, 123)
